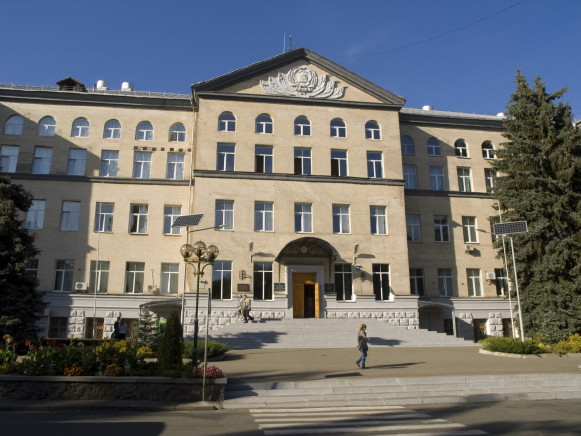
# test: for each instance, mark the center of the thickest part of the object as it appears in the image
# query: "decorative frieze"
(303, 82)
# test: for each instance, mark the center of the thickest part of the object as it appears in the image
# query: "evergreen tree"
(171, 344)
(146, 332)
(539, 182)
(20, 303)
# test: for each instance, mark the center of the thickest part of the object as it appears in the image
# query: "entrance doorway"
(305, 296)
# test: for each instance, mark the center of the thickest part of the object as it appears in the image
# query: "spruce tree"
(147, 331)
(171, 344)
(539, 180)
(21, 304)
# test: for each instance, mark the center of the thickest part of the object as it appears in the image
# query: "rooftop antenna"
(284, 43)
(290, 42)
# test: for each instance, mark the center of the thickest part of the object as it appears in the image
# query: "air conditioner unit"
(490, 276)
(153, 290)
(469, 248)
(81, 286)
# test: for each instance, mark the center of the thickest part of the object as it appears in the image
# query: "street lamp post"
(196, 255)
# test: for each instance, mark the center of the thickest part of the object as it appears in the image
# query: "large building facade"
(325, 197)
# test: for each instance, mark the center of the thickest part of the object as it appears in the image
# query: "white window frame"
(407, 145)
(381, 273)
(224, 215)
(302, 161)
(63, 275)
(437, 179)
(77, 162)
(417, 283)
(35, 216)
(80, 128)
(225, 157)
(177, 133)
(134, 277)
(445, 282)
(46, 126)
(14, 125)
(461, 148)
(263, 216)
(222, 274)
(339, 163)
(109, 163)
(474, 282)
(372, 130)
(434, 147)
(490, 175)
(302, 126)
(263, 159)
(175, 166)
(9, 158)
(413, 227)
(227, 122)
(303, 218)
(112, 129)
(99, 278)
(464, 179)
(70, 213)
(170, 213)
(264, 124)
(41, 160)
(170, 277)
(442, 228)
(338, 128)
(104, 214)
(487, 150)
(341, 219)
(470, 229)
(138, 219)
(144, 131)
(375, 164)
(142, 164)
(410, 177)
(378, 218)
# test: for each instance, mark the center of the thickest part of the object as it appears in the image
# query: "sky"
(455, 55)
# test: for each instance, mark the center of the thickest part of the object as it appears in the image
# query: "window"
(99, 279)
(487, 150)
(445, 282)
(374, 164)
(413, 227)
(464, 179)
(142, 165)
(170, 213)
(104, 217)
(70, 216)
(489, 178)
(341, 218)
(378, 218)
(46, 126)
(469, 228)
(222, 280)
(32, 267)
(225, 157)
(410, 176)
(35, 216)
(76, 163)
(80, 128)
(109, 163)
(339, 163)
(441, 228)
(134, 276)
(263, 159)
(138, 218)
(263, 216)
(372, 130)
(302, 126)
(112, 130)
(226, 122)
(407, 145)
(436, 178)
(461, 148)
(63, 278)
(303, 218)
(177, 133)
(338, 129)
(41, 160)
(302, 161)
(14, 125)
(175, 166)
(501, 282)
(58, 327)
(170, 273)
(224, 215)
(343, 281)
(262, 281)
(381, 281)
(474, 284)
(8, 158)
(417, 281)
(434, 148)
(264, 124)
(144, 131)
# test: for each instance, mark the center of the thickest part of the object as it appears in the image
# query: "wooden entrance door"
(305, 295)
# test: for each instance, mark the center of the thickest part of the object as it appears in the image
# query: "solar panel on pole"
(510, 228)
(188, 220)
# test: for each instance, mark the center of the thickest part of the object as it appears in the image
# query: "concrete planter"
(110, 388)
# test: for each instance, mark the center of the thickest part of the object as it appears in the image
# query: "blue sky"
(458, 55)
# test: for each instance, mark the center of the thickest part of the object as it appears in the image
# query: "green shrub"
(215, 349)
(571, 345)
(171, 345)
(511, 345)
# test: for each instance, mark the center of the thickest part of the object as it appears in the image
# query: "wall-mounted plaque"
(279, 287)
(243, 287)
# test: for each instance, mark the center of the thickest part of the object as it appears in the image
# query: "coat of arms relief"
(302, 82)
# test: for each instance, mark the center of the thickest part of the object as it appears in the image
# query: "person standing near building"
(241, 307)
(122, 329)
(246, 310)
(362, 346)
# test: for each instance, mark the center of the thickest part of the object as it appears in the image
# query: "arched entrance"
(437, 316)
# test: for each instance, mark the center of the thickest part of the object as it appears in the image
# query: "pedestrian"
(122, 329)
(362, 346)
(241, 307)
(246, 311)
(115, 334)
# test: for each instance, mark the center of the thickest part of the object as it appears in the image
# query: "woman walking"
(362, 346)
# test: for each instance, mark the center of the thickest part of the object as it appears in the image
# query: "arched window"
(407, 145)
(47, 126)
(434, 148)
(302, 126)
(372, 130)
(112, 130)
(487, 150)
(80, 128)
(338, 129)
(226, 122)
(177, 133)
(14, 125)
(144, 131)
(461, 148)
(264, 124)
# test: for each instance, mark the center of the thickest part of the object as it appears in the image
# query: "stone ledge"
(522, 356)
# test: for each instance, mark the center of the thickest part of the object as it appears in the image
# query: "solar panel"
(188, 220)
(510, 228)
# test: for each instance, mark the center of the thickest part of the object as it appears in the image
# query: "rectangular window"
(70, 216)
(378, 217)
(175, 166)
(469, 228)
(263, 281)
(225, 157)
(501, 282)
(41, 160)
(413, 227)
(474, 283)
(381, 287)
(170, 273)
(436, 178)
(302, 161)
(35, 216)
(445, 282)
(417, 281)
(138, 218)
(343, 281)
(341, 218)
(441, 228)
(489, 178)
(224, 215)
(303, 218)
(134, 276)
(263, 159)
(142, 165)
(57, 327)
(77, 162)
(222, 280)
(32, 267)
(464, 180)
(63, 279)
(263, 216)
(169, 215)
(374, 165)
(8, 158)
(410, 176)
(339, 163)
(109, 163)
(99, 280)
(104, 217)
